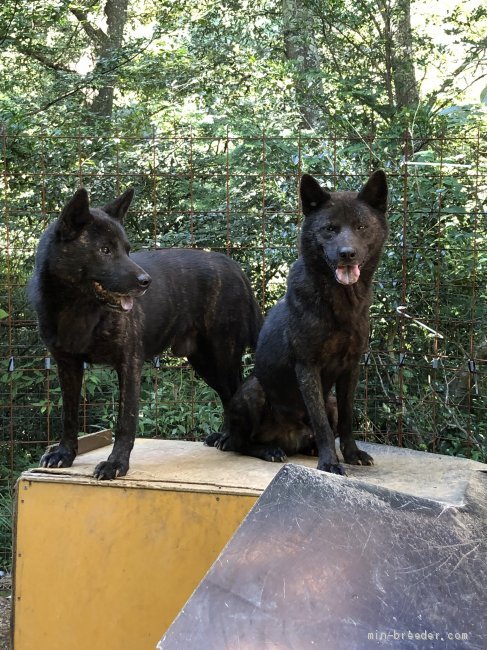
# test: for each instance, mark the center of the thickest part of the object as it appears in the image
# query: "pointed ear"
(313, 196)
(117, 209)
(374, 192)
(75, 215)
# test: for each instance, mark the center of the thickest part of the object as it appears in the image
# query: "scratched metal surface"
(328, 562)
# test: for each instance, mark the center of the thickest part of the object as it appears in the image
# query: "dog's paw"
(220, 440)
(213, 439)
(57, 456)
(223, 443)
(335, 468)
(274, 455)
(357, 457)
(108, 470)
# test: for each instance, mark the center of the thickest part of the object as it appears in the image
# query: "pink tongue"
(347, 274)
(127, 303)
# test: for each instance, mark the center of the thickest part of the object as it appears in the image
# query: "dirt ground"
(5, 607)
(5, 622)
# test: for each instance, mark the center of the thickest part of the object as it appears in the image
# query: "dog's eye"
(330, 228)
(362, 226)
(105, 250)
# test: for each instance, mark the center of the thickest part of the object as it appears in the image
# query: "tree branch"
(38, 56)
(95, 34)
(88, 81)
(58, 99)
(451, 78)
(7, 29)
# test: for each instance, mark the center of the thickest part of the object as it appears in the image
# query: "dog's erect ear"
(313, 196)
(374, 192)
(119, 206)
(75, 215)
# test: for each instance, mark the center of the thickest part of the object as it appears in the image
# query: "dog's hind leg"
(117, 464)
(345, 390)
(241, 419)
(246, 415)
(221, 369)
(227, 442)
(70, 372)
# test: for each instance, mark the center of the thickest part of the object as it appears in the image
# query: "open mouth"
(347, 274)
(117, 301)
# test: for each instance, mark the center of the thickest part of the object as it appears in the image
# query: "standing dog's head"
(91, 250)
(346, 230)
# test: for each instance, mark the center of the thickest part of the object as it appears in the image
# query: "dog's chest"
(339, 347)
(327, 337)
(116, 337)
(99, 337)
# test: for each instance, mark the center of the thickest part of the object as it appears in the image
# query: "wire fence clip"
(472, 366)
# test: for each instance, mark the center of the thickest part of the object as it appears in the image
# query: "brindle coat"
(98, 304)
(314, 337)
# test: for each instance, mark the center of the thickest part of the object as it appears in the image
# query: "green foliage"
(227, 64)
(6, 517)
(172, 403)
(206, 124)
(13, 461)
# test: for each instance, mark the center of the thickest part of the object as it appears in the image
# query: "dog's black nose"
(144, 280)
(347, 254)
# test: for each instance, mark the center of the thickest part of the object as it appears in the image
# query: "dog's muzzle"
(118, 301)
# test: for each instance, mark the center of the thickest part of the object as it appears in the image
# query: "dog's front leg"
(117, 463)
(309, 381)
(345, 391)
(70, 373)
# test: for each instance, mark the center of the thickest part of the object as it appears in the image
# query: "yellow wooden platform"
(107, 565)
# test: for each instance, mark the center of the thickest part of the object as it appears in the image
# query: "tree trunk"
(116, 15)
(301, 50)
(403, 72)
(105, 45)
(385, 11)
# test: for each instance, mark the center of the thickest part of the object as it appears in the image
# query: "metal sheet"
(330, 562)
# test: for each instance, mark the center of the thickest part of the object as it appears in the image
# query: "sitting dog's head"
(346, 230)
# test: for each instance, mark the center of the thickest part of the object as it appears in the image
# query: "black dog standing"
(98, 304)
(313, 338)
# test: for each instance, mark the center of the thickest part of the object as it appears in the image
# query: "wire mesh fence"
(423, 377)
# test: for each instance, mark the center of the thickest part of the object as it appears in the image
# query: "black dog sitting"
(313, 338)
